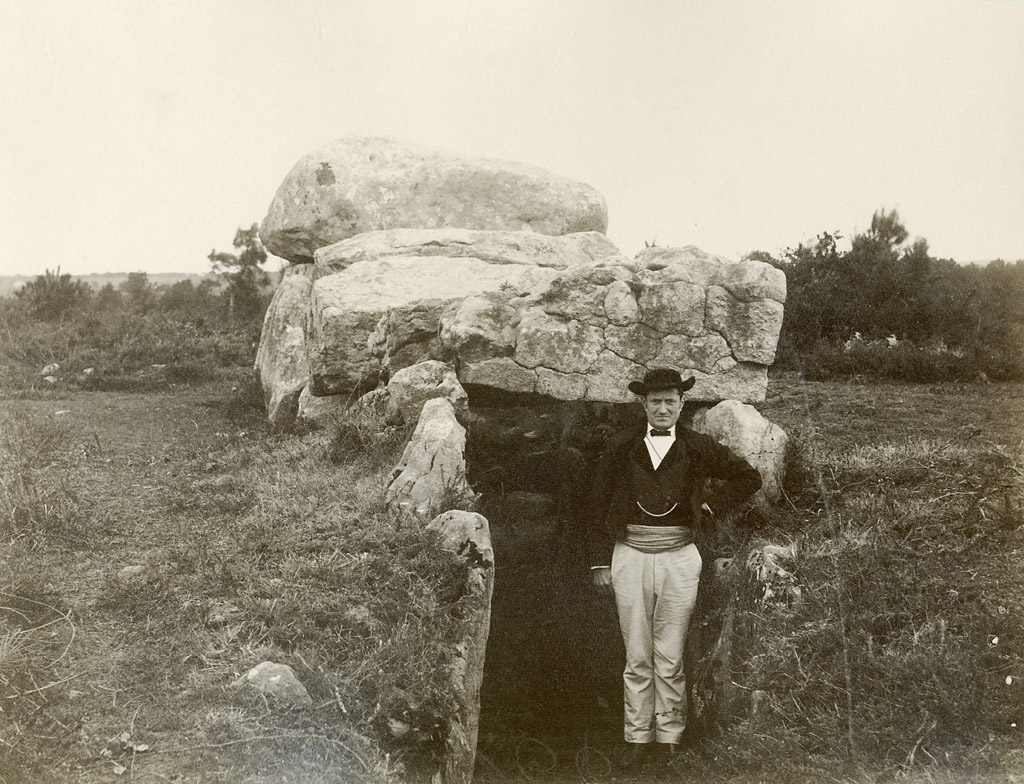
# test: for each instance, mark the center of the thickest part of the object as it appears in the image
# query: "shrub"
(54, 296)
(126, 349)
(905, 361)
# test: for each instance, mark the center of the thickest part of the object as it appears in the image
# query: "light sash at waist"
(658, 538)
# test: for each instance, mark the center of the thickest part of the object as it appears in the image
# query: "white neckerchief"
(657, 446)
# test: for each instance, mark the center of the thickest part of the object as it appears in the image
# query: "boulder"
(281, 357)
(321, 411)
(468, 534)
(411, 387)
(360, 184)
(495, 247)
(278, 682)
(584, 332)
(745, 280)
(432, 471)
(480, 327)
(346, 307)
(580, 332)
(377, 298)
(744, 324)
(746, 432)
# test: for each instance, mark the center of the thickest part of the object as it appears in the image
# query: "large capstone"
(377, 298)
(565, 317)
(360, 184)
(494, 247)
(586, 331)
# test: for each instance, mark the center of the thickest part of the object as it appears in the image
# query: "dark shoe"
(633, 754)
(670, 748)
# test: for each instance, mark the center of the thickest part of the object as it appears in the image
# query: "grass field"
(114, 675)
(157, 545)
(924, 488)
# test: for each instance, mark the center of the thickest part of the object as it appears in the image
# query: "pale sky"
(140, 135)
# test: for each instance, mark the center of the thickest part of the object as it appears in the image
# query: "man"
(647, 502)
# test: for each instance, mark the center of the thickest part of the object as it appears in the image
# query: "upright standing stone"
(281, 357)
(468, 534)
(432, 470)
(746, 432)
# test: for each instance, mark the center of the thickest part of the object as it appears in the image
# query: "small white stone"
(398, 728)
(278, 681)
(128, 572)
(221, 613)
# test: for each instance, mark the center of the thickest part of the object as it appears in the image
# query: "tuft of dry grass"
(361, 435)
(36, 636)
(41, 498)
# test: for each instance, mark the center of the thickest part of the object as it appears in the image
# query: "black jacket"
(625, 476)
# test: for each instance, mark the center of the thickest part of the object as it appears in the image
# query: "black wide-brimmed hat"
(661, 378)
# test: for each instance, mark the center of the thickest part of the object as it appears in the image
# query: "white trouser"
(655, 594)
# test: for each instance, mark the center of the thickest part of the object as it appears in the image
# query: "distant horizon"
(275, 263)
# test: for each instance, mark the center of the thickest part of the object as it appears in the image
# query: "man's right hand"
(602, 577)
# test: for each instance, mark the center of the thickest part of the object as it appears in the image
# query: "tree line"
(240, 295)
(119, 337)
(886, 307)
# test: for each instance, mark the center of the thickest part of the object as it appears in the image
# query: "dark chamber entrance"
(551, 701)
(552, 680)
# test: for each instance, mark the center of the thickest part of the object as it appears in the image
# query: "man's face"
(663, 407)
